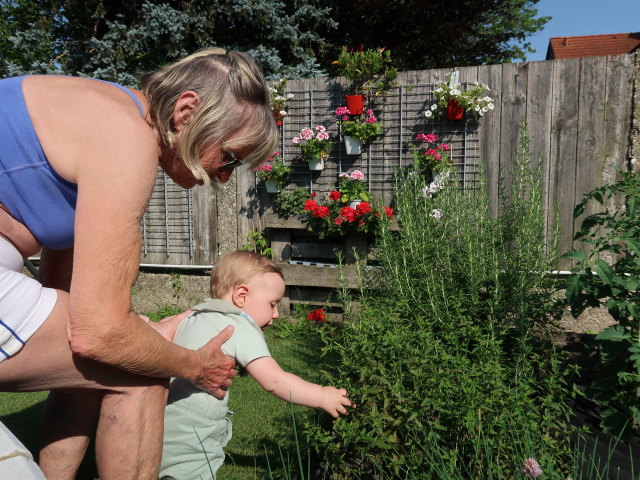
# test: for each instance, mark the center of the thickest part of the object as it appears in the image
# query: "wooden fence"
(578, 112)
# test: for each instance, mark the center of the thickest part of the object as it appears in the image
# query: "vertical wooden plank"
(590, 151)
(205, 225)
(246, 204)
(514, 108)
(562, 172)
(539, 105)
(618, 111)
(489, 131)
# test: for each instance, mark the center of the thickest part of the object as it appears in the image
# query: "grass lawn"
(261, 422)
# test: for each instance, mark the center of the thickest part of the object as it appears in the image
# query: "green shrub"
(447, 350)
(614, 231)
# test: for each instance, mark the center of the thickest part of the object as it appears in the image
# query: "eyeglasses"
(229, 160)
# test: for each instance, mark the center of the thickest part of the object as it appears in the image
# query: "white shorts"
(24, 303)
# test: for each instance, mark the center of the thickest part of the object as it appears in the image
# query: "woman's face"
(218, 160)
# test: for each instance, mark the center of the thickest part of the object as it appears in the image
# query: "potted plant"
(353, 189)
(279, 99)
(450, 97)
(431, 157)
(274, 172)
(314, 147)
(357, 129)
(366, 71)
(333, 218)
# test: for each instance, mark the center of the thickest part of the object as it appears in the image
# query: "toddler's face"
(264, 294)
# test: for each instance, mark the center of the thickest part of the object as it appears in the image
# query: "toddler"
(246, 288)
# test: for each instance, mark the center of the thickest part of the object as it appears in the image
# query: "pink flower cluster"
(371, 118)
(307, 134)
(267, 167)
(344, 114)
(355, 175)
(531, 468)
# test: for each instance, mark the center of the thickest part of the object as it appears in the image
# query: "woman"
(77, 168)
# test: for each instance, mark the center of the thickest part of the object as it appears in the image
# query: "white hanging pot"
(352, 146)
(354, 203)
(272, 186)
(316, 164)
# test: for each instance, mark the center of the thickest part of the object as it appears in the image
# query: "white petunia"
(428, 114)
(434, 106)
(436, 213)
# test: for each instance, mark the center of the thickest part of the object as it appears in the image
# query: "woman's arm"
(291, 388)
(114, 185)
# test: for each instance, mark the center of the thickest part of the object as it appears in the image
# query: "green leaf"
(578, 255)
(615, 333)
(604, 271)
(574, 286)
(615, 422)
(634, 245)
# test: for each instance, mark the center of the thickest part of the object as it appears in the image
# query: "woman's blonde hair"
(234, 101)
(239, 267)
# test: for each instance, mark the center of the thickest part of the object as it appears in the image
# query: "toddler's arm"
(290, 387)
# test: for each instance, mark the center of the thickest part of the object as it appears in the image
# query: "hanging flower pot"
(352, 146)
(354, 203)
(272, 186)
(454, 110)
(278, 116)
(355, 104)
(316, 164)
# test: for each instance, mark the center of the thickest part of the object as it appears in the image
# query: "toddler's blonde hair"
(239, 267)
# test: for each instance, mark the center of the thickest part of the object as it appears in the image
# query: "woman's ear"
(240, 295)
(184, 109)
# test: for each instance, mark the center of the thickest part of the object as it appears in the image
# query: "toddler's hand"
(335, 400)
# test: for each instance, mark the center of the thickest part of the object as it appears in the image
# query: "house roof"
(593, 45)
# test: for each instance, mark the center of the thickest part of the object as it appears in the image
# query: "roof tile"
(592, 45)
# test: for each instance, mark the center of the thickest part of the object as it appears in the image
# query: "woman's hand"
(218, 368)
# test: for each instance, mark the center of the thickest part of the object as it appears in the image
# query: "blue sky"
(583, 17)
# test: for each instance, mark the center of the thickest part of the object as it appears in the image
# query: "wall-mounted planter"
(454, 110)
(272, 186)
(355, 104)
(316, 164)
(352, 146)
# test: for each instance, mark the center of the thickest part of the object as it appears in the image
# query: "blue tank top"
(30, 189)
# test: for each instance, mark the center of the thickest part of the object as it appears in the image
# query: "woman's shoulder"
(74, 116)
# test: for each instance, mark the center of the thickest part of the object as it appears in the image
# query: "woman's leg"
(130, 425)
(69, 421)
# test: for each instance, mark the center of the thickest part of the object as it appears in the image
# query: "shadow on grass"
(25, 424)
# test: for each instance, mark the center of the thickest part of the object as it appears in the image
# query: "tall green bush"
(447, 350)
(613, 231)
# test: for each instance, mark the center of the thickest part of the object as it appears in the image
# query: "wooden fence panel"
(489, 130)
(590, 149)
(539, 109)
(564, 132)
(578, 114)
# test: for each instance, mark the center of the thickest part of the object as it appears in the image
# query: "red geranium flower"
(363, 208)
(320, 211)
(334, 195)
(309, 205)
(349, 214)
(388, 211)
(338, 220)
(317, 316)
